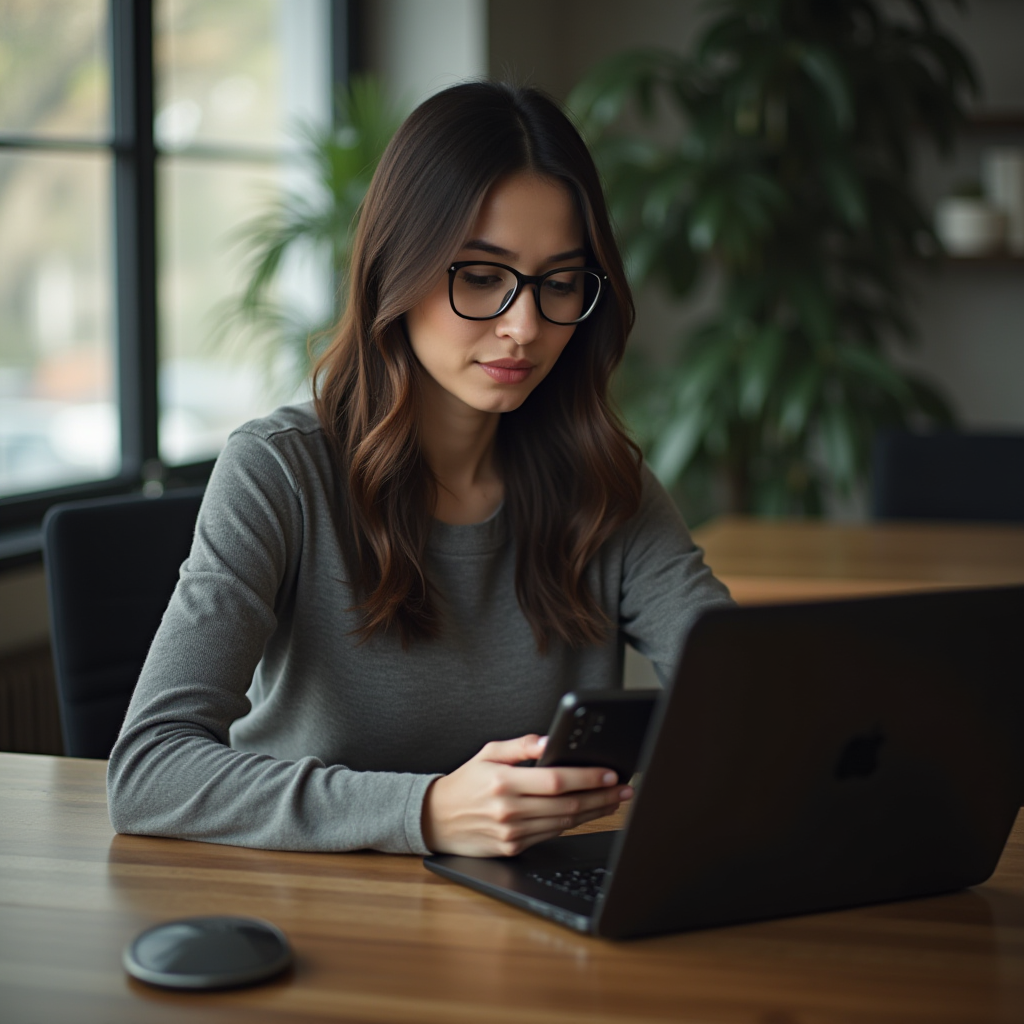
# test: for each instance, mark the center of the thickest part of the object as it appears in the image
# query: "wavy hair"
(570, 473)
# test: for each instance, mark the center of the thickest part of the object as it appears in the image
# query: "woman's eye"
(560, 286)
(480, 280)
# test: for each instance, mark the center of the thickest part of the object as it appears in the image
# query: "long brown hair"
(571, 475)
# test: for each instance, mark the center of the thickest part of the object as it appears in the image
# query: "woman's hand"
(489, 807)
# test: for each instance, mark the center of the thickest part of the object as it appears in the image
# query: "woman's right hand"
(491, 807)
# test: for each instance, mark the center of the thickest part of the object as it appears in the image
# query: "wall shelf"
(995, 122)
(994, 259)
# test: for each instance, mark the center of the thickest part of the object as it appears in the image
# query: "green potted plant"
(776, 159)
(342, 159)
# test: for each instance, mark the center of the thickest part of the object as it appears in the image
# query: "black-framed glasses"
(482, 291)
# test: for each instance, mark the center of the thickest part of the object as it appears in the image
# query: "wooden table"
(786, 560)
(380, 939)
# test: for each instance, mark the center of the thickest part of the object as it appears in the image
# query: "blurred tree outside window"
(233, 82)
(58, 422)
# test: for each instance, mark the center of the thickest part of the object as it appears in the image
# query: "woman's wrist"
(427, 829)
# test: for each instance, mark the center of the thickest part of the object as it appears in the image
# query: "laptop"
(807, 757)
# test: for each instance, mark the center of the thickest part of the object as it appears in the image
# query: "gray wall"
(418, 48)
(23, 609)
(971, 316)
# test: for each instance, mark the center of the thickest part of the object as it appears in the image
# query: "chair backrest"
(948, 475)
(111, 566)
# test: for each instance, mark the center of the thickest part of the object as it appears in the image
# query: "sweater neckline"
(470, 538)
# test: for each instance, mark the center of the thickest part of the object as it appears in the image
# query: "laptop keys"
(584, 883)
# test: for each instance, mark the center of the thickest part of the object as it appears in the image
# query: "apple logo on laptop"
(859, 758)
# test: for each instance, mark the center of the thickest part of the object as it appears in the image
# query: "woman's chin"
(494, 401)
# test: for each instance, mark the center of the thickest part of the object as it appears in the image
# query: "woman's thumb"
(522, 748)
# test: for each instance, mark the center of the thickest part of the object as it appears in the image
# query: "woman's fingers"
(527, 808)
(522, 748)
(513, 838)
(539, 781)
(555, 781)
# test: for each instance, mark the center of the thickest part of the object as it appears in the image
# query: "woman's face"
(527, 222)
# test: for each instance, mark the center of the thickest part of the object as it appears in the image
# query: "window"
(135, 139)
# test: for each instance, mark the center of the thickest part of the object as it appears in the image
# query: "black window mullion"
(346, 30)
(135, 232)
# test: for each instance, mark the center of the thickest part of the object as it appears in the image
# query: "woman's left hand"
(492, 807)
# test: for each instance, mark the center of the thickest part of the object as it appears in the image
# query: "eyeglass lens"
(481, 290)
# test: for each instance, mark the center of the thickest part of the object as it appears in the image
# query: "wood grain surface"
(792, 560)
(379, 939)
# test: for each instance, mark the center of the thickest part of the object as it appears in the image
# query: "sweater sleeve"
(666, 584)
(172, 771)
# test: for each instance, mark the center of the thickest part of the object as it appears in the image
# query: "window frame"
(134, 210)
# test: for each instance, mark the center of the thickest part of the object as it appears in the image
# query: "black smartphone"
(600, 728)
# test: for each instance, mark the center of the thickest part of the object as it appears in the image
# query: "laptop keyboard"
(582, 882)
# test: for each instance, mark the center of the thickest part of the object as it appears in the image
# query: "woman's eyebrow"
(496, 250)
(570, 255)
(488, 247)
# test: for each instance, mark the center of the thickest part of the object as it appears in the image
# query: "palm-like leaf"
(319, 220)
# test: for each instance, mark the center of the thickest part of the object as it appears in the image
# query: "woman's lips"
(507, 371)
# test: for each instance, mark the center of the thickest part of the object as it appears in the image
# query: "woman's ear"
(403, 326)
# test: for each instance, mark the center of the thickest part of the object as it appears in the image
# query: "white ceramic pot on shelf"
(1003, 175)
(969, 226)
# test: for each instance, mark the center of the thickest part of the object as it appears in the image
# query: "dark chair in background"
(111, 565)
(948, 475)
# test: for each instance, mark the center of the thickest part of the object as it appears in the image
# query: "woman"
(389, 590)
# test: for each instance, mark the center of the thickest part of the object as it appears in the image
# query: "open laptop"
(806, 758)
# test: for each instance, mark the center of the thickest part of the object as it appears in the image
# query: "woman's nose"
(522, 320)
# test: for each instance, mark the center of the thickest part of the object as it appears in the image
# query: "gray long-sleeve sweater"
(259, 721)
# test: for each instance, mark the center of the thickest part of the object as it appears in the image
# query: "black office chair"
(111, 565)
(948, 475)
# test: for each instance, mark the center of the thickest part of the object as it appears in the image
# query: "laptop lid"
(808, 757)
(825, 755)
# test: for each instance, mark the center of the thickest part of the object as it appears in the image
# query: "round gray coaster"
(207, 953)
